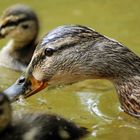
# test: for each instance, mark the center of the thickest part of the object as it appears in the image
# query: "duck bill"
(25, 88)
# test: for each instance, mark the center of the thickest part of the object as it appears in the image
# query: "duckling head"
(19, 23)
(5, 112)
(74, 53)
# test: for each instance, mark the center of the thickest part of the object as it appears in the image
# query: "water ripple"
(91, 102)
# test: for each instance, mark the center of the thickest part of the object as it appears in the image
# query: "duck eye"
(49, 51)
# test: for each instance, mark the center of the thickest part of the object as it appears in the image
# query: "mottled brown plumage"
(73, 53)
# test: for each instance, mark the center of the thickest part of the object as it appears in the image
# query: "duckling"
(5, 112)
(36, 126)
(20, 24)
(73, 53)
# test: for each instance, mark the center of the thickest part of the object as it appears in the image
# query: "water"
(92, 103)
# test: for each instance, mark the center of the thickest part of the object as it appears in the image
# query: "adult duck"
(74, 53)
(20, 24)
(36, 126)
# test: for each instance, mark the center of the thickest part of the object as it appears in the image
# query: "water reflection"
(91, 102)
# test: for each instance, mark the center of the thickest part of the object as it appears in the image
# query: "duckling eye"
(49, 51)
(25, 26)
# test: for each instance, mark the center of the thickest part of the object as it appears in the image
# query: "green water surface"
(92, 103)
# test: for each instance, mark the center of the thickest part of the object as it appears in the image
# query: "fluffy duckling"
(36, 126)
(20, 24)
(74, 53)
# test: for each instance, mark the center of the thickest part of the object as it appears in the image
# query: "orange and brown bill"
(25, 87)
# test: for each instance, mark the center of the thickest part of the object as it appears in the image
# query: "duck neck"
(21, 50)
(129, 95)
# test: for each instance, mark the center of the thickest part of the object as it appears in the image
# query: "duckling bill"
(36, 126)
(72, 53)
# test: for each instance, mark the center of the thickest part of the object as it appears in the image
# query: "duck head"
(73, 53)
(19, 23)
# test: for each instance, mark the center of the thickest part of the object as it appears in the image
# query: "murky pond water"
(93, 104)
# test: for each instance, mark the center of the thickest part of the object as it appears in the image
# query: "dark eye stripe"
(65, 46)
(14, 23)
